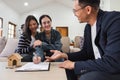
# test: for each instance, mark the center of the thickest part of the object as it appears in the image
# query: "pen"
(35, 55)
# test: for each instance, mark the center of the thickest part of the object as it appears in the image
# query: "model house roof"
(15, 55)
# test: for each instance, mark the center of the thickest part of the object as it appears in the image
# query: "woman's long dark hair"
(27, 31)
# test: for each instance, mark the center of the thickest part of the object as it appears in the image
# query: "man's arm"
(87, 51)
(56, 55)
(110, 61)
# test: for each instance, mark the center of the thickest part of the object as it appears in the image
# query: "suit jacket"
(108, 43)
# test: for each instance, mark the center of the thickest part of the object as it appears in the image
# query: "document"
(29, 67)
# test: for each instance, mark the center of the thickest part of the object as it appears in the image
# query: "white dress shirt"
(93, 35)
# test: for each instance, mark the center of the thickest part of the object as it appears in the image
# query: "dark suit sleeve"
(87, 51)
(110, 61)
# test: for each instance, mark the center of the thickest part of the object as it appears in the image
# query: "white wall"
(61, 16)
(8, 15)
(105, 5)
(110, 5)
(115, 5)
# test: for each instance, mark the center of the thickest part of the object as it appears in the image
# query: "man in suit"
(100, 57)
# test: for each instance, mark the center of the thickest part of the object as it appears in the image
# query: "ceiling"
(18, 5)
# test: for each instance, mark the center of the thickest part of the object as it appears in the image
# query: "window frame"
(11, 30)
(1, 24)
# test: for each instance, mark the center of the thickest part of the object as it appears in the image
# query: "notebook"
(29, 67)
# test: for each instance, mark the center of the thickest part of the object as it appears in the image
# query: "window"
(11, 30)
(1, 26)
(1, 22)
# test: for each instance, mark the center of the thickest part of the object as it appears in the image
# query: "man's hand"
(67, 65)
(37, 43)
(36, 59)
(56, 55)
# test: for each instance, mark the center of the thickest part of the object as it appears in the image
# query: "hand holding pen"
(36, 59)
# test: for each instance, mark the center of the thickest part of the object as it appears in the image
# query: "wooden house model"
(14, 60)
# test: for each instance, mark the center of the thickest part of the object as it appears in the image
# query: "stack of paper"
(43, 66)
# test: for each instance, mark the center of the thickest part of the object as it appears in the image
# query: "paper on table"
(43, 66)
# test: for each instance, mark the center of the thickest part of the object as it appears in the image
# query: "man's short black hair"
(93, 3)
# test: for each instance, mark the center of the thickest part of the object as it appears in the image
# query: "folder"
(31, 67)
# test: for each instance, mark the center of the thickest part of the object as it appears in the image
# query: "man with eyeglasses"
(100, 57)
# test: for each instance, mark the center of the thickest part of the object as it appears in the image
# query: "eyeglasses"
(78, 9)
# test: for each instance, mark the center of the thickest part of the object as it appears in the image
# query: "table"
(55, 73)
